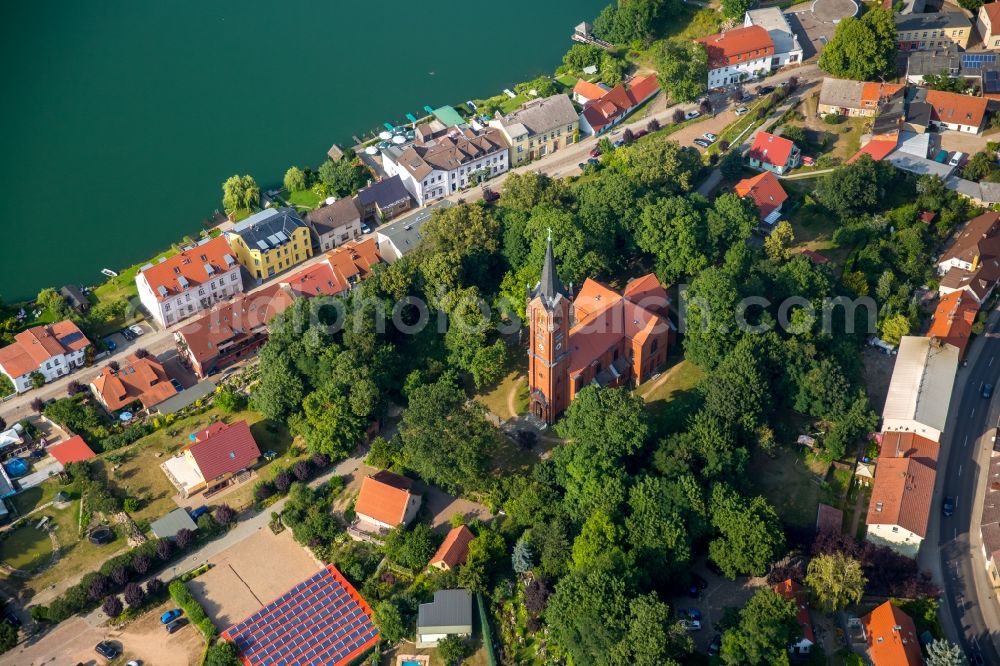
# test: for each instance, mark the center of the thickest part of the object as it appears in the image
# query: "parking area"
(969, 144)
(177, 370)
(147, 642)
(720, 594)
(129, 336)
(249, 574)
(715, 125)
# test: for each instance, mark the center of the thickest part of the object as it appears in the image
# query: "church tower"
(548, 346)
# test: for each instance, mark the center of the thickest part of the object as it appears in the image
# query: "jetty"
(584, 33)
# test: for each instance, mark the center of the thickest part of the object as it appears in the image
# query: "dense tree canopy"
(682, 67)
(862, 48)
(767, 626)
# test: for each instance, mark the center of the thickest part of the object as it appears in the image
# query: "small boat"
(428, 109)
(388, 126)
(412, 118)
(109, 272)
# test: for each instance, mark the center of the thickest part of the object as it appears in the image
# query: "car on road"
(110, 344)
(101, 536)
(948, 505)
(741, 110)
(691, 625)
(701, 142)
(987, 391)
(765, 90)
(176, 624)
(171, 615)
(176, 384)
(127, 334)
(365, 229)
(716, 645)
(691, 115)
(107, 649)
(708, 136)
(138, 330)
(596, 152)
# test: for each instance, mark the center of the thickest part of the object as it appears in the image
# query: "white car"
(956, 159)
(691, 625)
(691, 115)
(741, 110)
(138, 330)
(710, 137)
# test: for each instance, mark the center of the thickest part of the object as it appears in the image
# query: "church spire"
(549, 287)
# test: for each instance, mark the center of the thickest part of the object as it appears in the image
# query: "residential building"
(929, 31)
(75, 297)
(231, 331)
(947, 62)
(900, 505)
(450, 614)
(921, 166)
(920, 387)
(169, 525)
(766, 192)
(183, 285)
(403, 235)
(383, 200)
(962, 113)
(334, 224)
(322, 620)
(972, 262)
(988, 25)
(386, 501)
(584, 91)
(983, 194)
(989, 521)
(137, 379)
(72, 450)
(217, 455)
(601, 337)
(454, 549)
(338, 271)
(601, 114)
(792, 591)
(269, 242)
(738, 55)
(442, 162)
(787, 50)
(539, 127)
(953, 319)
(773, 153)
(844, 97)
(52, 350)
(891, 637)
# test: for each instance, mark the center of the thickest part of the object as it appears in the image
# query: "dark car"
(987, 391)
(689, 614)
(176, 624)
(766, 90)
(11, 618)
(714, 568)
(199, 512)
(948, 505)
(596, 152)
(107, 650)
(489, 196)
(101, 536)
(110, 344)
(716, 645)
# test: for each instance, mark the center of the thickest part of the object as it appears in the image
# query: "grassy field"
(27, 501)
(671, 397)
(123, 286)
(796, 483)
(305, 199)
(513, 103)
(494, 398)
(26, 547)
(813, 225)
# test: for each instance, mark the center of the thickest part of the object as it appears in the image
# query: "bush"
(319, 460)
(230, 400)
(224, 515)
(301, 470)
(222, 653)
(183, 538)
(677, 117)
(130, 505)
(155, 587)
(653, 125)
(282, 481)
(99, 586)
(141, 563)
(40, 613)
(833, 119)
(263, 490)
(195, 613)
(163, 549)
(134, 596)
(127, 436)
(112, 606)
(119, 575)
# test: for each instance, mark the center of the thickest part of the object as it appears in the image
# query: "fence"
(484, 625)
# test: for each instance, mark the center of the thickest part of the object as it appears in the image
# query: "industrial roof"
(403, 234)
(449, 613)
(932, 21)
(922, 379)
(773, 20)
(322, 621)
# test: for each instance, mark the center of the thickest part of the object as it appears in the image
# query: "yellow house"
(540, 127)
(270, 242)
(938, 30)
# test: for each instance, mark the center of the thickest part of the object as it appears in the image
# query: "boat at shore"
(109, 272)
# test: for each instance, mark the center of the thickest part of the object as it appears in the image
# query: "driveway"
(147, 642)
(714, 124)
(970, 144)
(721, 594)
(69, 642)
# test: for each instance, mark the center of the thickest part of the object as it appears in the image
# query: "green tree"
(652, 637)
(835, 581)
(487, 554)
(979, 166)
(8, 637)
(328, 424)
(389, 621)
(631, 21)
(941, 652)
(587, 614)
(240, 193)
(738, 392)
(52, 300)
(708, 317)
(411, 548)
(778, 242)
(674, 231)
(682, 67)
(862, 48)
(655, 527)
(659, 162)
(522, 558)
(280, 390)
(731, 165)
(597, 547)
(342, 178)
(222, 653)
(766, 627)
(582, 55)
(750, 535)
(524, 191)
(37, 380)
(894, 327)
(295, 179)
(736, 9)
(453, 649)
(229, 400)
(855, 188)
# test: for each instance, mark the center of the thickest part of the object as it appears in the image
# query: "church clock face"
(541, 346)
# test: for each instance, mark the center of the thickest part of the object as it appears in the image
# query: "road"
(968, 609)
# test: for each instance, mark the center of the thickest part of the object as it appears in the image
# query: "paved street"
(969, 610)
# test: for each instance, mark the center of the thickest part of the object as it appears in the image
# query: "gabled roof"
(909, 445)
(877, 150)
(795, 593)
(72, 450)
(765, 190)
(450, 610)
(340, 213)
(384, 496)
(957, 109)
(588, 90)
(454, 549)
(921, 383)
(814, 257)
(992, 11)
(142, 379)
(619, 101)
(829, 519)
(771, 149)
(980, 237)
(268, 229)
(953, 319)
(384, 193)
(224, 449)
(340, 269)
(642, 88)
(33, 347)
(902, 494)
(194, 266)
(892, 637)
(647, 292)
(737, 45)
(541, 116)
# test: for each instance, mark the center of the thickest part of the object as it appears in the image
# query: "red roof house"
(454, 549)
(72, 450)
(953, 319)
(222, 450)
(386, 501)
(738, 45)
(141, 380)
(584, 91)
(891, 637)
(51, 349)
(341, 269)
(766, 192)
(877, 150)
(607, 110)
(794, 592)
(773, 153)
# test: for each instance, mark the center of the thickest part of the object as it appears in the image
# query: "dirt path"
(859, 508)
(512, 398)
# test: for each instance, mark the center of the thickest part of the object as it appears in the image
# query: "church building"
(601, 337)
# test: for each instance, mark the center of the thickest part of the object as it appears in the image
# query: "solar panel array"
(991, 81)
(976, 60)
(321, 621)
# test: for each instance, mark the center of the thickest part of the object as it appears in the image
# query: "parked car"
(101, 536)
(956, 159)
(176, 624)
(199, 512)
(716, 645)
(138, 330)
(365, 229)
(740, 110)
(107, 649)
(127, 334)
(987, 391)
(747, 96)
(765, 90)
(110, 344)
(11, 618)
(176, 384)
(171, 615)
(691, 625)
(948, 505)
(619, 143)
(701, 142)
(691, 115)
(712, 138)
(596, 152)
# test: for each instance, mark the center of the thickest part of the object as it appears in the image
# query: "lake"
(120, 119)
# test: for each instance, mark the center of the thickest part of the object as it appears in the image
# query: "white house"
(952, 111)
(988, 25)
(385, 501)
(443, 161)
(787, 50)
(52, 350)
(738, 55)
(901, 503)
(920, 388)
(180, 286)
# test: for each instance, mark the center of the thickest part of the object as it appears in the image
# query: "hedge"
(195, 613)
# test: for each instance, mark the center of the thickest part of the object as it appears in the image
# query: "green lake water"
(121, 118)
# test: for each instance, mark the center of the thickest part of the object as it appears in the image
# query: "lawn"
(672, 396)
(123, 286)
(305, 199)
(789, 485)
(26, 547)
(494, 398)
(27, 501)
(513, 103)
(812, 224)
(567, 81)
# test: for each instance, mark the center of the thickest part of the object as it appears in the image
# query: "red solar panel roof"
(322, 621)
